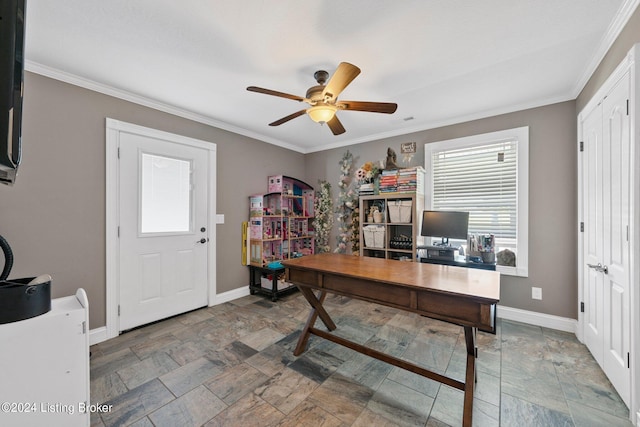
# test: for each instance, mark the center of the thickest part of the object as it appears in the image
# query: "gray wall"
(552, 197)
(54, 216)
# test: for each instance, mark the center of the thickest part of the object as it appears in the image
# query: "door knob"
(203, 240)
(599, 267)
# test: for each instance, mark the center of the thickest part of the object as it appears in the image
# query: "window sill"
(512, 271)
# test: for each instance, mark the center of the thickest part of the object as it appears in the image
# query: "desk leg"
(316, 310)
(475, 349)
(470, 378)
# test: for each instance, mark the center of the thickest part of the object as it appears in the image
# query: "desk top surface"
(482, 284)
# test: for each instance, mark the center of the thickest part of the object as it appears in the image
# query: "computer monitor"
(445, 224)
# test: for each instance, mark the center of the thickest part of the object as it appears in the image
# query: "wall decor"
(408, 148)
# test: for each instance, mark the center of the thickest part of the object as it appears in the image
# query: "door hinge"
(84, 327)
(118, 152)
(582, 307)
(581, 146)
(582, 227)
(118, 231)
(627, 107)
(628, 360)
(118, 309)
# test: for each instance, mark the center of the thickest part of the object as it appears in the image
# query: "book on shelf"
(366, 189)
(388, 181)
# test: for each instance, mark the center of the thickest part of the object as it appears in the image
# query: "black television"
(12, 30)
(445, 224)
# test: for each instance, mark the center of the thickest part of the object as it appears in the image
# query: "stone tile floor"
(232, 365)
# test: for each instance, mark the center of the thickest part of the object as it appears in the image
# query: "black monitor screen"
(445, 224)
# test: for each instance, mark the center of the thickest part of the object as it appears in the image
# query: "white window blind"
(481, 180)
(486, 175)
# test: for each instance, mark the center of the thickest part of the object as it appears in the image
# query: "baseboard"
(231, 295)
(539, 319)
(97, 335)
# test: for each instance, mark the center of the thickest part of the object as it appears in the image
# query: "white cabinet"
(44, 367)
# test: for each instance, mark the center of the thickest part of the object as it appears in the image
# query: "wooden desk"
(463, 296)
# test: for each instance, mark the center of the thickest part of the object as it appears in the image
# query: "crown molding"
(615, 28)
(82, 82)
(442, 123)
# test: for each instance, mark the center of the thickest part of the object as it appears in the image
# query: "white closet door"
(606, 196)
(593, 232)
(616, 165)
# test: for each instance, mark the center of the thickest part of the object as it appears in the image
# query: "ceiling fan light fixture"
(323, 99)
(322, 113)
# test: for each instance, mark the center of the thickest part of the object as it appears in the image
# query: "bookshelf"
(393, 232)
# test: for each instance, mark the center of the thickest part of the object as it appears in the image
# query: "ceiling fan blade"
(345, 73)
(274, 93)
(336, 126)
(287, 118)
(372, 107)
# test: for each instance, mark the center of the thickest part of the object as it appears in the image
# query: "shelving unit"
(281, 221)
(269, 281)
(397, 235)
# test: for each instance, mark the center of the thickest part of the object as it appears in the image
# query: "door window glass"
(165, 202)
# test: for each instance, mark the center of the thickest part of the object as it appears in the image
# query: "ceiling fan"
(323, 99)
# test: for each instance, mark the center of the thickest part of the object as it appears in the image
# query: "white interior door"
(163, 241)
(616, 167)
(593, 281)
(606, 196)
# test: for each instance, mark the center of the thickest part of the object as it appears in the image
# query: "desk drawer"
(381, 293)
(458, 310)
(303, 277)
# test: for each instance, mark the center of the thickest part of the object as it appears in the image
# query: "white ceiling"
(441, 61)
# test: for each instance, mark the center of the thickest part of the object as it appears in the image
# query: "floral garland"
(347, 202)
(323, 220)
(355, 231)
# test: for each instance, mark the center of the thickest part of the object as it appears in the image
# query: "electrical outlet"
(536, 293)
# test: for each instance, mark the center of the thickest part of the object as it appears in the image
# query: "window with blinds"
(488, 176)
(482, 181)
